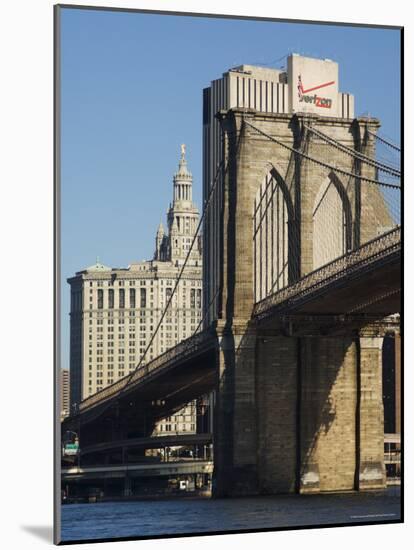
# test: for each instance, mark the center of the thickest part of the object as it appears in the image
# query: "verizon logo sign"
(317, 100)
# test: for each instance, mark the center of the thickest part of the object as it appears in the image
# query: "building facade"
(308, 85)
(64, 393)
(115, 311)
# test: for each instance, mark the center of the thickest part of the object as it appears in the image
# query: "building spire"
(183, 172)
(160, 230)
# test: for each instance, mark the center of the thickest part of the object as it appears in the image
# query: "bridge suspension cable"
(356, 154)
(321, 163)
(386, 142)
(339, 214)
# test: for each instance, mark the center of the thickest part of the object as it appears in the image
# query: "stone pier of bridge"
(297, 414)
(293, 413)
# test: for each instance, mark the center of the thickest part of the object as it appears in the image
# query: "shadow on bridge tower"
(299, 409)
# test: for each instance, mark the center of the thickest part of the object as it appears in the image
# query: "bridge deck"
(343, 285)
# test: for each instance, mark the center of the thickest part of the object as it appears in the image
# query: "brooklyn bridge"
(307, 256)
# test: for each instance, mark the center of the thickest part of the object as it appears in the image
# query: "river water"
(180, 516)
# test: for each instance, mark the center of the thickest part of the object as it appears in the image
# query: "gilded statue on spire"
(183, 150)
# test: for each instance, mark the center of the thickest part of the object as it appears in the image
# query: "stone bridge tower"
(295, 411)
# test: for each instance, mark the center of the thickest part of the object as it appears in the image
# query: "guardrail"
(363, 256)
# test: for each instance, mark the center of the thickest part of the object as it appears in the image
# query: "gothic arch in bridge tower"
(332, 222)
(273, 235)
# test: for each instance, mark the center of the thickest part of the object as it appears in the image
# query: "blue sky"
(132, 93)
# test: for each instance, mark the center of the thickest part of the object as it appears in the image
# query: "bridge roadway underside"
(138, 470)
(150, 443)
(134, 413)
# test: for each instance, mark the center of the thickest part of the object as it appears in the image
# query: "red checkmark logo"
(318, 87)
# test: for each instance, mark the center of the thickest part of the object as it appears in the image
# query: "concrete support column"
(235, 438)
(276, 398)
(371, 470)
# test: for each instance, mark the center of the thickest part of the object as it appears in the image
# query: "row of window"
(144, 316)
(195, 298)
(121, 283)
(121, 298)
(176, 427)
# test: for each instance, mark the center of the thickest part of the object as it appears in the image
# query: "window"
(111, 298)
(192, 297)
(132, 297)
(122, 298)
(143, 301)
